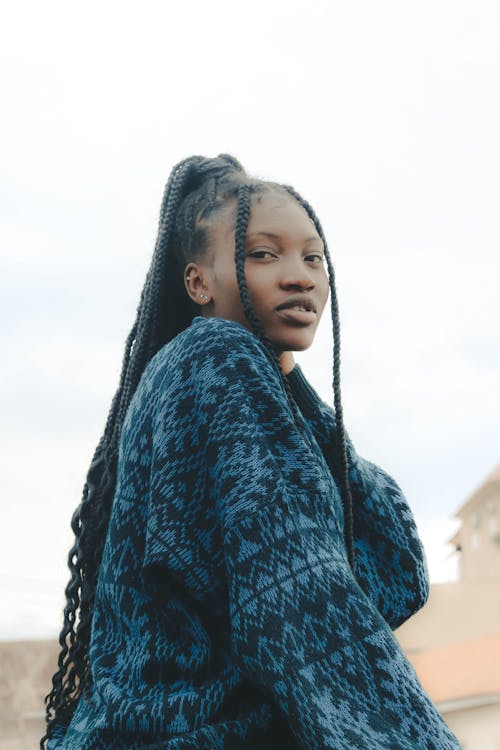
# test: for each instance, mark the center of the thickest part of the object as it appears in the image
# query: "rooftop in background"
(461, 674)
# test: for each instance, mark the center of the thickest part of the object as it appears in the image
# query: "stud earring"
(203, 296)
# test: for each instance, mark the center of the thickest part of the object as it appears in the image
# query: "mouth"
(298, 302)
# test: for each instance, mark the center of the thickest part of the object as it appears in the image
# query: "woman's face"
(284, 260)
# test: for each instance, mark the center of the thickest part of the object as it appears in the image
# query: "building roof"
(492, 478)
(462, 670)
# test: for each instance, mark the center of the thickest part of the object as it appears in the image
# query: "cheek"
(258, 277)
(226, 277)
(262, 286)
(325, 288)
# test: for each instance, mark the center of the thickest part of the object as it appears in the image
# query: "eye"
(255, 253)
(318, 259)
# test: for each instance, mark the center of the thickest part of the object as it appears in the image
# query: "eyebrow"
(277, 236)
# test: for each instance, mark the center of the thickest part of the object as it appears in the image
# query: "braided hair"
(197, 190)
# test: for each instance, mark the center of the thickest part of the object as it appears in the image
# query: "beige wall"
(22, 732)
(455, 611)
(476, 727)
(26, 669)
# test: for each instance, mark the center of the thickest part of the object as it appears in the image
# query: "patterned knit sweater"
(226, 614)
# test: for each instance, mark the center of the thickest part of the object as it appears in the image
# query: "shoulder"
(213, 344)
(208, 334)
(216, 370)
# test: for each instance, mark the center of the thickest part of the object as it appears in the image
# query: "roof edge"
(471, 701)
(492, 478)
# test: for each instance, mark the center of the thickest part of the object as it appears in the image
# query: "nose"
(295, 273)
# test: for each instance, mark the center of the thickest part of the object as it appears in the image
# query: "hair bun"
(233, 161)
(202, 169)
(216, 166)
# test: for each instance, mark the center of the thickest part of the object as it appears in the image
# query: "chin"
(289, 338)
(295, 341)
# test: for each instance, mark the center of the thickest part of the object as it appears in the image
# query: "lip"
(299, 317)
(301, 300)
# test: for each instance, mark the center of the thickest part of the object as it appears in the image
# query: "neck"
(287, 362)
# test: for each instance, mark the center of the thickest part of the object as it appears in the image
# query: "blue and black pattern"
(226, 615)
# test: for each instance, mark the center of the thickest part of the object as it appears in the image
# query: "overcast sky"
(384, 115)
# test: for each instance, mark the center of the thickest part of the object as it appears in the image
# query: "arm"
(390, 566)
(302, 628)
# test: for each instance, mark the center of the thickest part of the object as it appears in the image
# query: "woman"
(238, 568)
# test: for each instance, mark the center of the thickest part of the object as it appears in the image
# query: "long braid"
(147, 328)
(339, 418)
(91, 518)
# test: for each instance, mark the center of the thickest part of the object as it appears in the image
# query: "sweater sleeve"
(302, 628)
(390, 566)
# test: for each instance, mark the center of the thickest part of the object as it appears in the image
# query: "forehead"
(274, 212)
(271, 212)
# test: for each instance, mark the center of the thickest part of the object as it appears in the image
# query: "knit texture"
(226, 613)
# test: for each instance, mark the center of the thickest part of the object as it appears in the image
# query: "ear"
(196, 284)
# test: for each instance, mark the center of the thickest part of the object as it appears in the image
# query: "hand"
(287, 362)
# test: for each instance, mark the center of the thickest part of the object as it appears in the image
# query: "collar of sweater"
(304, 394)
